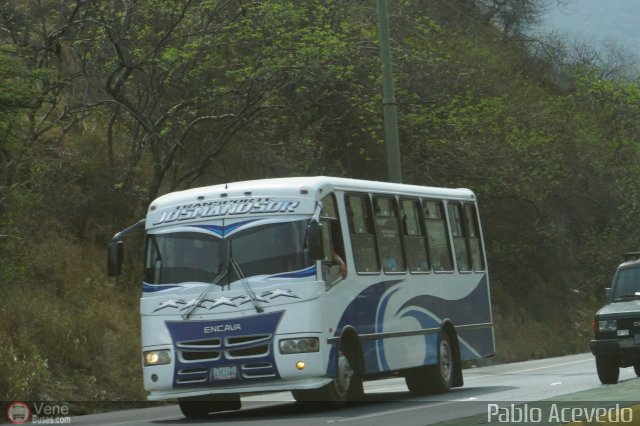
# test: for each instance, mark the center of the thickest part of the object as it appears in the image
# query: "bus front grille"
(192, 375)
(198, 360)
(188, 356)
(251, 352)
(226, 352)
(258, 370)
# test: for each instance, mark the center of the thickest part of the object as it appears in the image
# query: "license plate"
(636, 339)
(225, 373)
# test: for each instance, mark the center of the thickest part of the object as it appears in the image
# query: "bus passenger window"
(414, 239)
(459, 237)
(473, 231)
(361, 231)
(438, 236)
(329, 208)
(388, 227)
(333, 244)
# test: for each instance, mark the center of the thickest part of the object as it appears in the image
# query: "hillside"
(105, 107)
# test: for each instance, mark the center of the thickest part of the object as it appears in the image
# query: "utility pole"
(389, 105)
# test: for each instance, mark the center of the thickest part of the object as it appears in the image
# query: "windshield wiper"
(200, 298)
(238, 270)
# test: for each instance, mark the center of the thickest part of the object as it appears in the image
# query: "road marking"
(386, 413)
(479, 376)
(555, 383)
(140, 420)
(482, 376)
(475, 375)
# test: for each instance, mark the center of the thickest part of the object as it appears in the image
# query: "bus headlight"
(607, 325)
(296, 346)
(157, 357)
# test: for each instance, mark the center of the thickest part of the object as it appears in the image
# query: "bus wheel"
(636, 368)
(346, 386)
(608, 369)
(434, 379)
(200, 407)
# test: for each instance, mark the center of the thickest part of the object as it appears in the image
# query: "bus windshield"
(203, 257)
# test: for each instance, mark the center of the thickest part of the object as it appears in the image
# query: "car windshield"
(204, 257)
(627, 283)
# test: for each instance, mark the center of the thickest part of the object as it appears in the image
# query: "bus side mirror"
(114, 258)
(607, 292)
(314, 240)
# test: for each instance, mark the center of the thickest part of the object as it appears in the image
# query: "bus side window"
(330, 211)
(459, 237)
(414, 237)
(388, 228)
(361, 230)
(473, 233)
(332, 234)
(437, 236)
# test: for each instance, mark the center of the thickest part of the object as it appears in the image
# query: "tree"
(18, 96)
(515, 17)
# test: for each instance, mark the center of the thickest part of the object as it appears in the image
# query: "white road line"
(386, 413)
(483, 375)
(140, 421)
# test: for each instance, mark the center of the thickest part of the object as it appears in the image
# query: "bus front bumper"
(275, 386)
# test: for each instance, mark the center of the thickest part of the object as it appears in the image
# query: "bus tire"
(608, 369)
(346, 386)
(435, 379)
(200, 407)
(636, 368)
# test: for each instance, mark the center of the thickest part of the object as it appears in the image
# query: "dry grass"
(68, 333)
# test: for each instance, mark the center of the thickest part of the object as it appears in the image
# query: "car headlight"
(607, 325)
(157, 357)
(296, 346)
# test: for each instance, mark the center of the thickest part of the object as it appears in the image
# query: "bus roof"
(315, 186)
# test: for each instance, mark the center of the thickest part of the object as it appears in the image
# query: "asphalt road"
(498, 387)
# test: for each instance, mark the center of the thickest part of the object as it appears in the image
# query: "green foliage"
(104, 105)
(18, 94)
(18, 88)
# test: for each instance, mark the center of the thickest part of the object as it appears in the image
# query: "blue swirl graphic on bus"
(378, 309)
(426, 321)
(307, 272)
(148, 288)
(424, 318)
(382, 307)
(222, 231)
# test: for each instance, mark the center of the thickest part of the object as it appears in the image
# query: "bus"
(310, 285)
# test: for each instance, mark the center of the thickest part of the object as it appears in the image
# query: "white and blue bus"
(311, 285)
